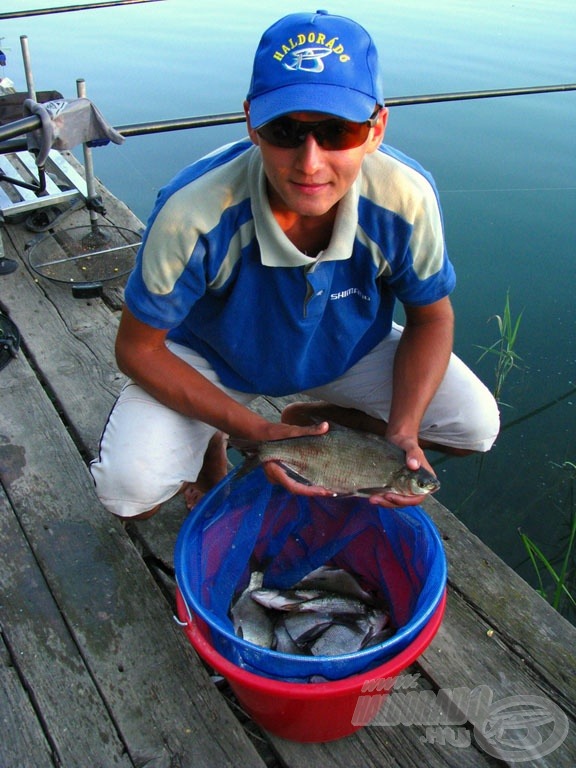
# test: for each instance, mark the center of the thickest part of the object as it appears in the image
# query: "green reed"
(562, 576)
(503, 347)
(561, 569)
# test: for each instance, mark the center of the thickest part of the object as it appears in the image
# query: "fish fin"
(293, 474)
(372, 491)
(252, 461)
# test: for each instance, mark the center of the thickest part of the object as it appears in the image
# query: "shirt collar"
(276, 250)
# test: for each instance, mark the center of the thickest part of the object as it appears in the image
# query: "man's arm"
(421, 360)
(142, 355)
(419, 366)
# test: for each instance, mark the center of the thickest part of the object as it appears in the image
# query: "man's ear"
(378, 131)
(251, 132)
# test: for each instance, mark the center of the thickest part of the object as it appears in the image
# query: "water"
(506, 170)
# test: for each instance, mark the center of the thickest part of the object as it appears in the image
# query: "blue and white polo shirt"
(218, 273)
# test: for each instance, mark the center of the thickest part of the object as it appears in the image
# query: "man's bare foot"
(214, 469)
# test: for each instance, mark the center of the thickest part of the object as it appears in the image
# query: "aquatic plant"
(562, 576)
(503, 347)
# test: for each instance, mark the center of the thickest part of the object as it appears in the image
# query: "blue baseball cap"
(315, 62)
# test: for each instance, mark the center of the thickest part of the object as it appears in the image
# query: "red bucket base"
(309, 712)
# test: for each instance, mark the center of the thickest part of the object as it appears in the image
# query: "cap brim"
(327, 99)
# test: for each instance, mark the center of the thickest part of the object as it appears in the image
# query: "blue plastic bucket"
(247, 524)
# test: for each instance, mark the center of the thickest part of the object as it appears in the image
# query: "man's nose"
(310, 153)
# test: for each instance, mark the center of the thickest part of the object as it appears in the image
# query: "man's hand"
(277, 474)
(415, 458)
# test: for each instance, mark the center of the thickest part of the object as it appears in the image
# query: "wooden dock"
(94, 671)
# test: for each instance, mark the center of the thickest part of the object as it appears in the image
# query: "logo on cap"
(308, 59)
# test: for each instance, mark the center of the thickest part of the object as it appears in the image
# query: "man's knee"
(479, 430)
(130, 494)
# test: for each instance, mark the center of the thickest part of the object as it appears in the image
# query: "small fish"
(308, 620)
(283, 600)
(337, 639)
(337, 605)
(379, 637)
(345, 461)
(305, 627)
(283, 642)
(251, 621)
(332, 579)
(375, 625)
(313, 601)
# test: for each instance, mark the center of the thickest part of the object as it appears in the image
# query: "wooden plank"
(468, 652)
(531, 628)
(164, 705)
(399, 747)
(158, 535)
(71, 342)
(80, 367)
(22, 740)
(73, 713)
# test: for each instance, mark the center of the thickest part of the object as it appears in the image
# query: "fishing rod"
(65, 8)
(31, 123)
(399, 101)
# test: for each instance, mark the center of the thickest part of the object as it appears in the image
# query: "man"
(272, 267)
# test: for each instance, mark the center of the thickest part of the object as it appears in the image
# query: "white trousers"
(147, 451)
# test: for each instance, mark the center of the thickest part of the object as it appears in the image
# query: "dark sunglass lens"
(330, 134)
(281, 133)
(341, 134)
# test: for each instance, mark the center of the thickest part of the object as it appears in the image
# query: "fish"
(309, 620)
(283, 600)
(312, 601)
(283, 641)
(303, 628)
(345, 461)
(337, 639)
(333, 579)
(250, 620)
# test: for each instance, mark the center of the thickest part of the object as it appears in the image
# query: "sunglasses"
(330, 134)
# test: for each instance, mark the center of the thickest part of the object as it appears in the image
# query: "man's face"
(309, 180)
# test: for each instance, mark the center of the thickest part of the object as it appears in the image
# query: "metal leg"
(7, 266)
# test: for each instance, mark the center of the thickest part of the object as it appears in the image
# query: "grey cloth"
(65, 124)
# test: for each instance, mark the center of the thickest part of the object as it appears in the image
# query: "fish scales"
(336, 580)
(308, 456)
(338, 639)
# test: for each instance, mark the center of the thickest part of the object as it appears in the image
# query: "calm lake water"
(506, 170)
